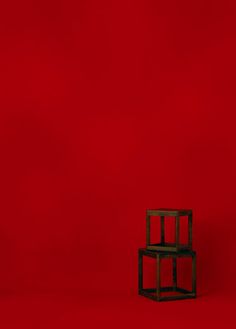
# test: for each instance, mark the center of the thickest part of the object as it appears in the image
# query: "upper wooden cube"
(163, 245)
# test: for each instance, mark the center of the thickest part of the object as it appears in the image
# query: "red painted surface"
(108, 108)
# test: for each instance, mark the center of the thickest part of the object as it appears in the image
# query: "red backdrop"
(109, 108)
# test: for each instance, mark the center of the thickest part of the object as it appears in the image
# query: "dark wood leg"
(148, 226)
(162, 229)
(174, 273)
(177, 231)
(140, 271)
(194, 274)
(190, 224)
(158, 277)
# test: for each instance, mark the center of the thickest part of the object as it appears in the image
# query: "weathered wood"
(158, 276)
(148, 228)
(168, 298)
(162, 229)
(146, 252)
(167, 254)
(169, 212)
(190, 230)
(156, 293)
(177, 232)
(174, 272)
(164, 245)
(167, 289)
(184, 291)
(148, 295)
(194, 274)
(167, 247)
(140, 270)
(159, 247)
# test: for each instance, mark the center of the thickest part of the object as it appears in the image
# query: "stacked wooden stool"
(163, 250)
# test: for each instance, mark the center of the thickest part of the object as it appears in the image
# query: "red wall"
(109, 108)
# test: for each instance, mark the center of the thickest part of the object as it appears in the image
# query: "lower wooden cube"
(157, 292)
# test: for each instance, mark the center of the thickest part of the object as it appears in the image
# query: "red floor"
(114, 311)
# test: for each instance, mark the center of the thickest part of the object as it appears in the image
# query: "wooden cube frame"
(163, 245)
(155, 293)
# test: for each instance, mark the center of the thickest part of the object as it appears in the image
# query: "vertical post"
(190, 229)
(174, 273)
(158, 276)
(148, 226)
(162, 229)
(177, 232)
(140, 271)
(194, 274)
